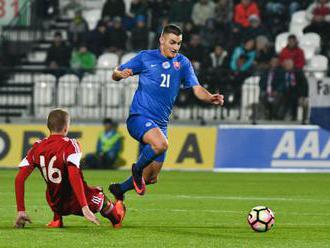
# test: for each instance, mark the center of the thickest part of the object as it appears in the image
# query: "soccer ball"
(261, 219)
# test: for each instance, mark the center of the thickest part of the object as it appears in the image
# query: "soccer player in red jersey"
(58, 159)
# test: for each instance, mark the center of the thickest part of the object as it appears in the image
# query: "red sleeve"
(73, 153)
(76, 182)
(239, 15)
(21, 176)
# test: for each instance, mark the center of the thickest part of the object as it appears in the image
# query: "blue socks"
(147, 155)
(127, 185)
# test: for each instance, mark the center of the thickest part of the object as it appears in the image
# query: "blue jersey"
(160, 79)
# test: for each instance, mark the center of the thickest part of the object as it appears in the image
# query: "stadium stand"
(28, 45)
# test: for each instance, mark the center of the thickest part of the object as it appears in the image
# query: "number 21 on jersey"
(165, 80)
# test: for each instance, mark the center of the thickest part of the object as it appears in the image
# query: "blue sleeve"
(234, 58)
(247, 65)
(189, 76)
(135, 64)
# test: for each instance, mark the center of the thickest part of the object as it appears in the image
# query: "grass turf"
(185, 209)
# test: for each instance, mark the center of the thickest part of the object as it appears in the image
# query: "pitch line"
(240, 198)
(220, 211)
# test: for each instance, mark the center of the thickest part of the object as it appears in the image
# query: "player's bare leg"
(151, 172)
(156, 144)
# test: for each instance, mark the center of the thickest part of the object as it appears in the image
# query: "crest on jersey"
(176, 65)
(166, 65)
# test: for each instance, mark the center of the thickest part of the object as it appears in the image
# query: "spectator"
(255, 29)
(281, 7)
(223, 13)
(241, 67)
(116, 37)
(82, 61)
(243, 11)
(195, 52)
(319, 11)
(294, 52)
(78, 29)
(140, 35)
(113, 8)
(180, 11)
(108, 149)
(159, 11)
(218, 57)
(296, 89)
(271, 90)
(319, 15)
(58, 55)
(216, 68)
(264, 52)
(223, 16)
(138, 8)
(202, 10)
(243, 57)
(96, 40)
(188, 30)
(209, 34)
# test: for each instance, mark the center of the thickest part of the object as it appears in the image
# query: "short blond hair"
(57, 120)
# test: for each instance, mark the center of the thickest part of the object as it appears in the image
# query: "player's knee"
(161, 147)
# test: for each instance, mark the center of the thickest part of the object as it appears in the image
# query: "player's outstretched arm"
(203, 94)
(78, 189)
(118, 75)
(89, 215)
(22, 218)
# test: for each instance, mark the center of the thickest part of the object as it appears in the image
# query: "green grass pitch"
(185, 209)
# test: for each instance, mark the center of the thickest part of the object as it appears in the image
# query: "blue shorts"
(138, 125)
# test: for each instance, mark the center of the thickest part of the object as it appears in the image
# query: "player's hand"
(125, 73)
(217, 99)
(21, 219)
(89, 215)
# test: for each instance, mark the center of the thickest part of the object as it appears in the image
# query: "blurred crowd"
(226, 40)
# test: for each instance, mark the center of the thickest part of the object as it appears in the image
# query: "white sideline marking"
(221, 211)
(249, 126)
(301, 163)
(192, 211)
(271, 170)
(239, 198)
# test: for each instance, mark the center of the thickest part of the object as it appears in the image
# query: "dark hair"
(172, 29)
(108, 121)
(58, 34)
(292, 36)
(57, 120)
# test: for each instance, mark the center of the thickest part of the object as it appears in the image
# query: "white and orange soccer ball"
(261, 219)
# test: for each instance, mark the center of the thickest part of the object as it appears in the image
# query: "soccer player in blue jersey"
(161, 73)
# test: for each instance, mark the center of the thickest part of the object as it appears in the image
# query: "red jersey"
(296, 54)
(242, 14)
(58, 159)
